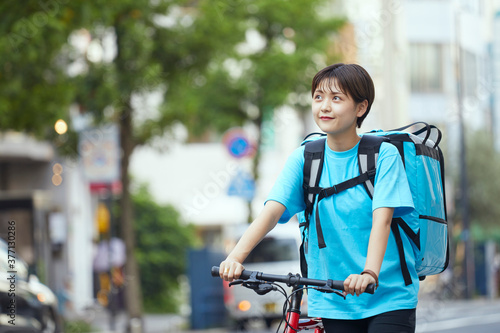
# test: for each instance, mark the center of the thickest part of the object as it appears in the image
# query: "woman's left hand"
(356, 283)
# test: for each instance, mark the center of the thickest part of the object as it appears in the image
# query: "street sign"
(99, 152)
(237, 143)
(242, 185)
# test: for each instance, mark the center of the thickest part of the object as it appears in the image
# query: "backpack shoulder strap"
(314, 154)
(368, 150)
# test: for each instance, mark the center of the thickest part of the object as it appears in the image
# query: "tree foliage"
(33, 86)
(483, 166)
(157, 42)
(162, 245)
(285, 43)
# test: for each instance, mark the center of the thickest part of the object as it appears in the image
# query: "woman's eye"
(317, 97)
(336, 98)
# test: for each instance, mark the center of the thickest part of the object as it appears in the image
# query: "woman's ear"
(361, 108)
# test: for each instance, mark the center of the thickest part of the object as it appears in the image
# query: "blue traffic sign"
(242, 185)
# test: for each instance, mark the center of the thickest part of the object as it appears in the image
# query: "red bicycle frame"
(293, 321)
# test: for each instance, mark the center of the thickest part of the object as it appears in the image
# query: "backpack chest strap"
(336, 189)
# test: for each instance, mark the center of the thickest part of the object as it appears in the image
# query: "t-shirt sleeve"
(287, 189)
(391, 185)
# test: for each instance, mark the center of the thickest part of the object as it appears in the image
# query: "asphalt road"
(478, 316)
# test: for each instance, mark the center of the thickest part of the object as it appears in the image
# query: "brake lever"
(236, 282)
(259, 286)
(251, 280)
(328, 290)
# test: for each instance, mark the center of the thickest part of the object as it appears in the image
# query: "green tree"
(34, 89)
(483, 166)
(483, 188)
(162, 245)
(154, 44)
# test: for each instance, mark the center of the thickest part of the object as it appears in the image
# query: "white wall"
(429, 21)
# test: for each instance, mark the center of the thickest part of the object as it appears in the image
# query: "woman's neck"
(342, 143)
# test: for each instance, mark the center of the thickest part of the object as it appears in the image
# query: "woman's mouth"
(325, 118)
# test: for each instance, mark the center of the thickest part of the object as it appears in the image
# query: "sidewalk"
(100, 319)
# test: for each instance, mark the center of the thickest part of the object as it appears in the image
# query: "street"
(479, 316)
(459, 316)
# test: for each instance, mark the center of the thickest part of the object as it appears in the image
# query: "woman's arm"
(232, 267)
(381, 228)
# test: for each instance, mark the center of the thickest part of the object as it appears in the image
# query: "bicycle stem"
(296, 299)
(293, 314)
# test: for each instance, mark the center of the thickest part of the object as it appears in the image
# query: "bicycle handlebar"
(293, 280)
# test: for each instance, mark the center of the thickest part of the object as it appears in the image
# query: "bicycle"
(262, 283)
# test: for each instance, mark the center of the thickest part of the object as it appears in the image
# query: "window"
(426, 68)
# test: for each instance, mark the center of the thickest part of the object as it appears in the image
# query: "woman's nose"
(326, 106)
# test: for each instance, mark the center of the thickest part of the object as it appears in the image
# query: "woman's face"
(335, 112)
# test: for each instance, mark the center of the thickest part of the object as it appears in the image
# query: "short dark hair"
(352, 80)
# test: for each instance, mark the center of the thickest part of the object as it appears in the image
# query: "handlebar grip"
(339, 285)
(245, 274)
(370, 289)
(215, 271)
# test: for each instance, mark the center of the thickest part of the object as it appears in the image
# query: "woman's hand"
(356, 283)
(230, 269)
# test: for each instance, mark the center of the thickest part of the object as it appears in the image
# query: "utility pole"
(462, 152)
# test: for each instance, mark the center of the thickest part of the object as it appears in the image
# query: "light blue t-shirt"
(346, 220)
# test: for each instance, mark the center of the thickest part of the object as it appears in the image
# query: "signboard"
(99, 150)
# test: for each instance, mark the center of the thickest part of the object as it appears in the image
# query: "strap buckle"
(326, 192)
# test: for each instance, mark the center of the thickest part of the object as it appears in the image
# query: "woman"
(361, 248)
